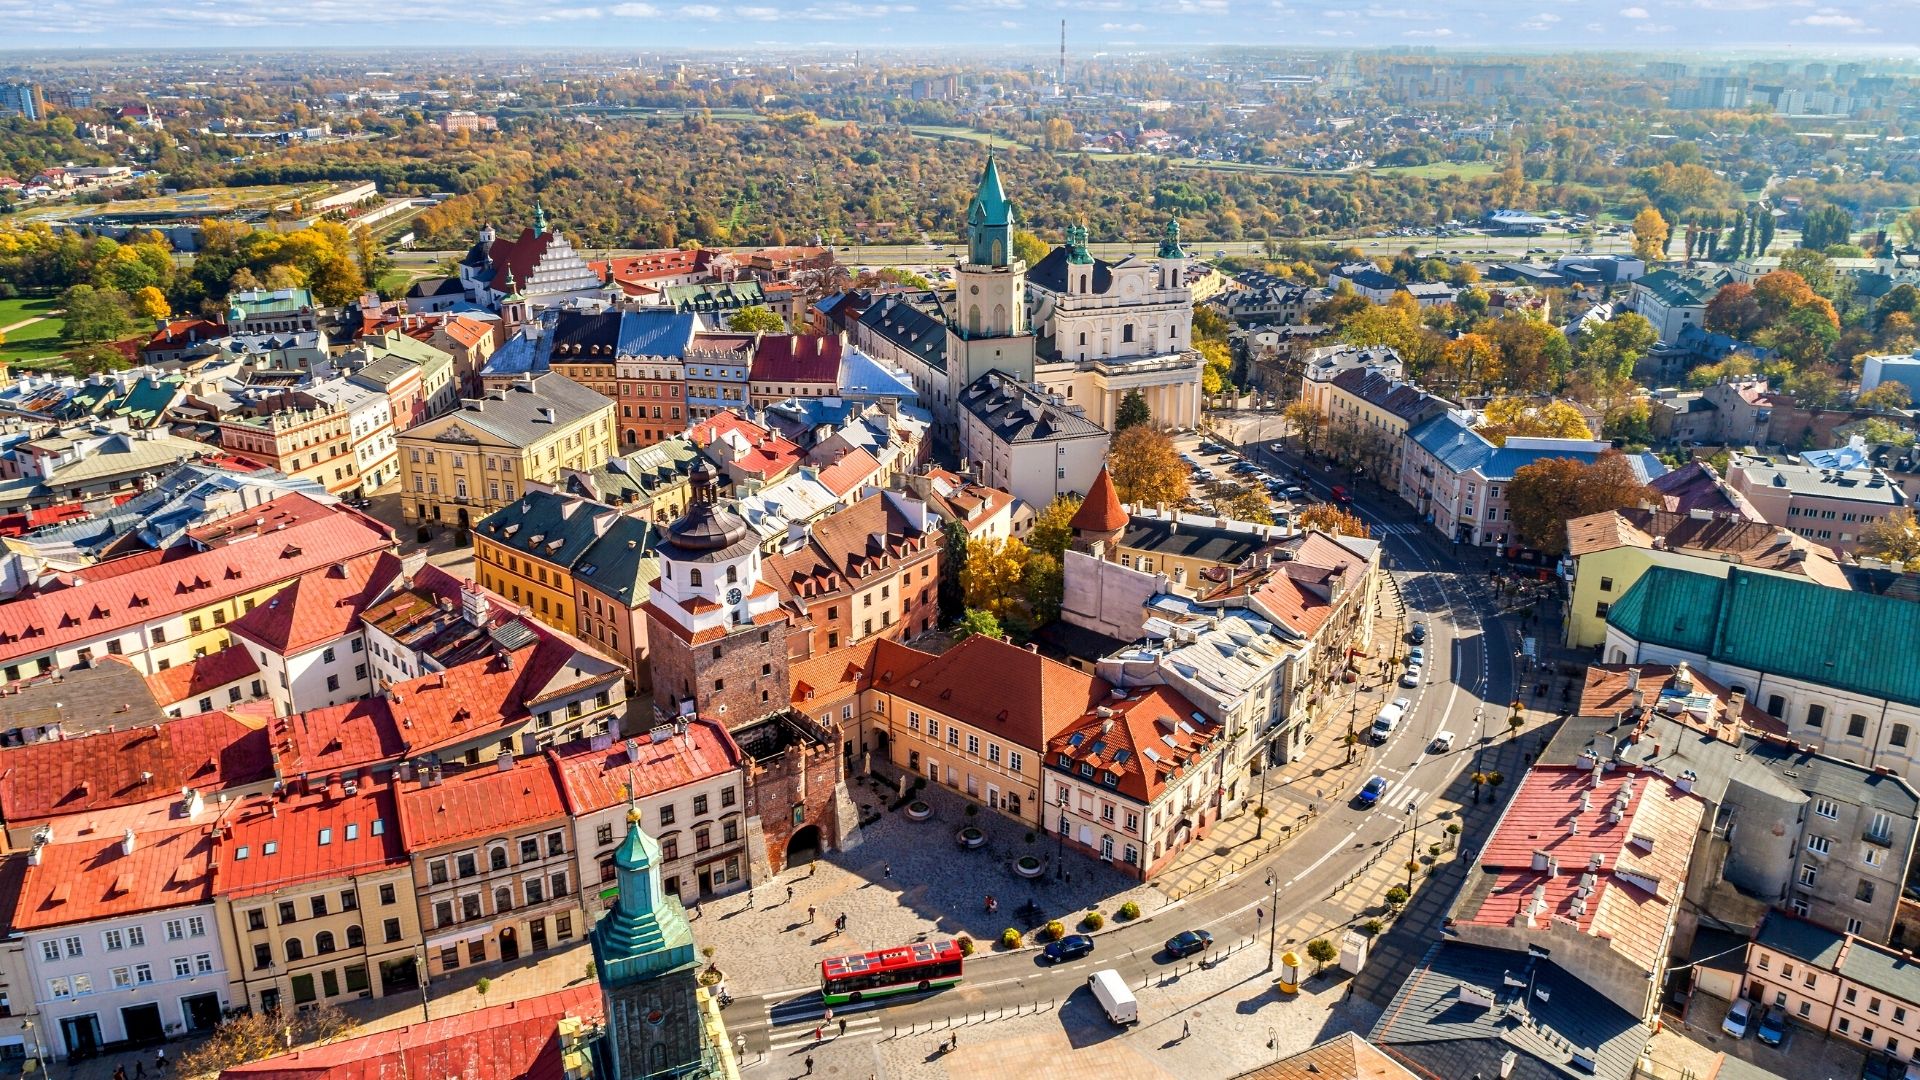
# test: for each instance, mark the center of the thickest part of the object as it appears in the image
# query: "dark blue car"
(1071, 947)
(1371, 792)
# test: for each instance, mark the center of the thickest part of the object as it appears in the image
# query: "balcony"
(1878, 839)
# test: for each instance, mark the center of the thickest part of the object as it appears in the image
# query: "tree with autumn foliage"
(1734, 311)
(995, 574)
(1146, 468)
(1547, 494)
(1328, 518)
(1509, 416)
(1052, 531)
(1894, 538)
(1649, 235)
(1468, 362)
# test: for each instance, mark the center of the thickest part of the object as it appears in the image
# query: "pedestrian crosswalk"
(1398, 795)
(1396, 528)
(819, 1033)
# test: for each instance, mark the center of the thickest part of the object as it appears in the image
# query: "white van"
(1387, 720)
(1115, 997)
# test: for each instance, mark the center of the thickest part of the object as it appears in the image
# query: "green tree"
(1045, 585)
(756, 319)
(1825, 225)
(1133, 410)
(974, 622)
(96, 314)
(1616, 345)
(1889, 396)
(1052, 531)
(953, 566)
(1029, 247)
(1322, 952)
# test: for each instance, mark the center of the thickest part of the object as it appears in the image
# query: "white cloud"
(1635, 13)
(1439, 32)
(1129, 28)
(1831, 18)
(700, 11)
(1542, 21)
(569, 14)
(635, 11)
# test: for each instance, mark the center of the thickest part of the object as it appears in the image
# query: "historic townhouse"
(307, 641)
(493, 862)
(584, 344)
(304, 437)
(463, 466)
(314, 897)
(872, 568)
(651, 372)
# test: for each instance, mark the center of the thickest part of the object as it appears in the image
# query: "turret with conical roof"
(1100, 521)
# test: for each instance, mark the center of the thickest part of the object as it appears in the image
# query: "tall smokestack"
(1062, 80)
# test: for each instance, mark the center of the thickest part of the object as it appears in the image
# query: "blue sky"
(1824, 26)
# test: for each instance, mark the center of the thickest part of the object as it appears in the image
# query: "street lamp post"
(1260, 811)
(39, 1062)
(425, 1012)
(1273, 916)
(1413, 846)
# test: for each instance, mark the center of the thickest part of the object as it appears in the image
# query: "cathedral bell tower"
(987, 329)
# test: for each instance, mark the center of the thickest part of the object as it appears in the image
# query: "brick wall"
(797, 781)
(751, 670)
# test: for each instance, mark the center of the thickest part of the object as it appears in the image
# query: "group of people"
(140, 1067)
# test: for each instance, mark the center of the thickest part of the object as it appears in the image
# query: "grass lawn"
(395, 282)
(936, 131)
(24, 307)
(1441, 169)
(31, 342)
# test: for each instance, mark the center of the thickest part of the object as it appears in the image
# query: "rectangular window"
(182, 966)
(72, 946)
(1826, 808)
(1809, 874)
(1013, 761)
(114, 940)
(1818, 843)
(529, 849)
(1899, 735)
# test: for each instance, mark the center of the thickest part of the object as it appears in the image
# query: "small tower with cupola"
(1173, 258)
(716, 634)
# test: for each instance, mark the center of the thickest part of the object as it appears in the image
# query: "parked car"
(1071, 947)
(1416, 656)
(1411, 677)
(1773, 1026)
(1188, 942)
(1371, 791)
(1419, 632)
(1294, 493)
(1340, 495)
(1739, 1018)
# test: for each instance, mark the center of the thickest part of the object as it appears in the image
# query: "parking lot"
(1215, 472)
(1804, 1054)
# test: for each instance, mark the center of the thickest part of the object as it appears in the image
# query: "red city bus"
(927, 965)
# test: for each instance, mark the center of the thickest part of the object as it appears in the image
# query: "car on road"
(1188, 942)
(1773, 1027)
(1419, 632)
(1294, 493)
(1371, 791)
(1739, 1018)
(1071, 947)
(1441, 743)
(1411, 677)
(1416, 656)
(1224, 459)
(1243, 467)
(1340, 494)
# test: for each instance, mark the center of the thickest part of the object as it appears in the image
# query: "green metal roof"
(1853, 641)
(990, 206)
(1670, 607)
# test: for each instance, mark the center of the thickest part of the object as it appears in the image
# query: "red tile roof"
(517, 257)
(93, 608)
(794, 358)
(1299, 592)
(201, 675)
(597, 779)
(209, 752)
(1635, 892)
(1100, 511)
(266, 842)
(97, 879)
(1608, 691)
(1001, 689)
(638, 269)
(852, 470)
(765, 454)
(1144, 740)
(180, 333)
(479, 802)
(321, 606)
(515, 1041)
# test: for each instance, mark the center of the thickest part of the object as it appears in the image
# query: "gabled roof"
(595, 779)
(266, 842)
(208, 752)
(657, 333)
(320, 606)
(201, 675)
(1343, 1057)
(481, 802)
(849, 472)
(1749, 543)
(1136, 744)
(793, 358)
(1015, 412)
(517, 414)
(844, 547)
(1696, 486)
(97, 879)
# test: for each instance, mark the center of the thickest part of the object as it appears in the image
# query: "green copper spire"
(539, 219)
(513, 289)
(1077, 245)
(1170, 243)
(990, 221)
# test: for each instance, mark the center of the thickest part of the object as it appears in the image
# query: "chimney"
(633, 751)
(505, 761)
(127, 843)
(1633, 681)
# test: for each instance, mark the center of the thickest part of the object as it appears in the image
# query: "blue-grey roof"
(1800, 939)
(1460, 448)
(657, 333)
(910, 328)
(861, 376)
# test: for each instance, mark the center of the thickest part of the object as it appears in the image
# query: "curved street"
(1468, 688)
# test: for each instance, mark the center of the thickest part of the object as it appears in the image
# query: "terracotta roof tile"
(321, 606)
(593, 779)
(266, 842)
(848, 473)
(209, 752)
(1100, 511)
(483, 801)
(97, 879)
(201, 675)
(1033, 698)
(1141, 740)
(1608, 691)
(794, 358)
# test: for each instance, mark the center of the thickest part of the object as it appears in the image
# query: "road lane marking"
(1330, 853)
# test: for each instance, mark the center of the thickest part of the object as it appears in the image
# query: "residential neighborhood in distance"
(993, 546)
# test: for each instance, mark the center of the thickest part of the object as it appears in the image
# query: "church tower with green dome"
(644, 957)
(987, 329)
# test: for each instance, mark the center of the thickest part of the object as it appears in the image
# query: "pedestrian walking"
(809, 1064)
(119, 1072)
(160, 1060)
(889, 870)
(789, 894)
(816, 1033)
(809, 914)
(1186, 1029)
(139, 1070)
(739, 1047)
(843, 1025)
(828, 1017)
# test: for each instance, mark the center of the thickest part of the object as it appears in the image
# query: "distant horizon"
(1886, 29)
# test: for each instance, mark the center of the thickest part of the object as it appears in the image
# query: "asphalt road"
(1465, 671)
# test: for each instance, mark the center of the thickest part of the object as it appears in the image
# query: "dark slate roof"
(1017, 413)
(1895, 974)
(1368, 277)
(1189, 541)
(1800, 939)
(1051, 273)
(583, 334)
(621, 563)
(426, 288)
(910, 328)
(1397, 396)
(551, 527)
(1429, 1027)
(1772, 623)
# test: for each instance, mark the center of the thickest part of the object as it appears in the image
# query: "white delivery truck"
(1115, 997)
(1387, 720)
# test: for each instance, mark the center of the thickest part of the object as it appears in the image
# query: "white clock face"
(733, 595)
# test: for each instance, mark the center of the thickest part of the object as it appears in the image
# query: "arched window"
(1000, 318)
(973, 318)
(323, 942)
(693, 577)
(503, 899)
(999, 252)
(733, 574)
(497, 858)
(294, 951)
(355, 936)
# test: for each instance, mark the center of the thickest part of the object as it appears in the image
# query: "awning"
(465, 933)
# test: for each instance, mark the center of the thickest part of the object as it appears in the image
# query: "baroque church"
(539, 268)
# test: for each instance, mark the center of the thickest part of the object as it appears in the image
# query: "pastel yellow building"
(459, 468)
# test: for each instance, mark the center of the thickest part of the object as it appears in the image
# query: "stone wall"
(751, 672)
